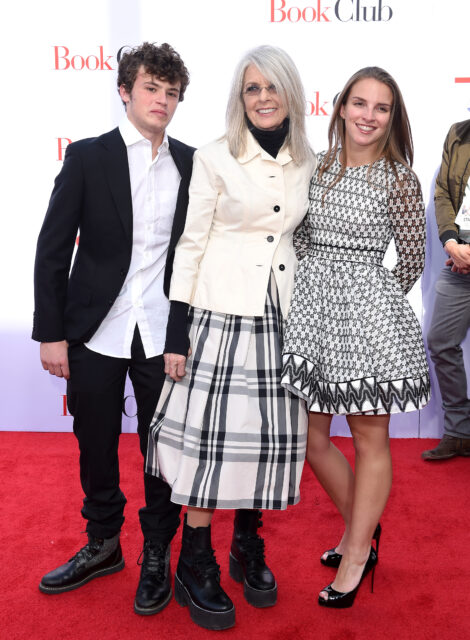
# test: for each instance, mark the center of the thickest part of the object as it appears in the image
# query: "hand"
(459, 255)
(54, 358)
(450, 263)
(175, 365)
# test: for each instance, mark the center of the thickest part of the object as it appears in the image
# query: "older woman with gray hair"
(226, 435)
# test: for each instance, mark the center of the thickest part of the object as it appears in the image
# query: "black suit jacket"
(92, 193)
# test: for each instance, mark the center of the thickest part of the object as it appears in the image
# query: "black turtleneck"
(270, 141)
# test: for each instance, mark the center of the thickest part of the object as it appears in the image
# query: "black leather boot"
(197, 581)
(97, 558)
(154, 590)
(247, 562)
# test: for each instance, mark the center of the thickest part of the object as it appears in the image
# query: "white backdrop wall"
(59, 85)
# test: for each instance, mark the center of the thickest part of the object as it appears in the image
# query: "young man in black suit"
(126, 193)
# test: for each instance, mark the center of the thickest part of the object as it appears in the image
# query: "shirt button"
(281, 267)
(277, 208)
(270, 238)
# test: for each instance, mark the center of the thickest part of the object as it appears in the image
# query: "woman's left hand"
(175, 366)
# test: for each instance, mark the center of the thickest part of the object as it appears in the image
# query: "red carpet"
(422, 583)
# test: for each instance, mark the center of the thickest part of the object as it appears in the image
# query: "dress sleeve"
(302, 239)
(408, 220)
(303, 233)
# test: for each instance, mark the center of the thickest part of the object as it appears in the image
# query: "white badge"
(463, 216)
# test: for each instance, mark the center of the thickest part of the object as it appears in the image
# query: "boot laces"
(154, 559)
(89, 551)
(206, 565)
(253, 547)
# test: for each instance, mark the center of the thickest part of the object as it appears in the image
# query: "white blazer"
(241, 216)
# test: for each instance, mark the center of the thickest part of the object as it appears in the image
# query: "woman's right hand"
(175, 365)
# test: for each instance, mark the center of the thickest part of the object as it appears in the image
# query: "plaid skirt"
(228, 436)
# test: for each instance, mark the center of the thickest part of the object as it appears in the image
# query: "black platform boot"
(197, 581)
(154, 590)
(247, 562)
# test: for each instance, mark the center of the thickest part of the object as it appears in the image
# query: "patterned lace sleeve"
(407, 216)
(303, 233)
(302, 238)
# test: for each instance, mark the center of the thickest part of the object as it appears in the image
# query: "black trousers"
(95, 397)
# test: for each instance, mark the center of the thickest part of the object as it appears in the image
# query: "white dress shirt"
(141, 301)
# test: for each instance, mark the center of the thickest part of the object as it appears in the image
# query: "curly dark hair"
(161, 61)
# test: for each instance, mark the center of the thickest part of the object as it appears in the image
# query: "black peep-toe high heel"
(333, 558)
(343, 600)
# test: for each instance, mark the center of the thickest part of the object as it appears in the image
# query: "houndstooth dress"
(228, 435)
(352, 342)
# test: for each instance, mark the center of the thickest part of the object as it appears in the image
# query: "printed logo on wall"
(129, 407)
(342, 10)
(65, 411)
(64, 59)
(316, 107)
(62, 144)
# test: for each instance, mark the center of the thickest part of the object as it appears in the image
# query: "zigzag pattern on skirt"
(366, 395)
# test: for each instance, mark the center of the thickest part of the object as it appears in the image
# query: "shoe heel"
(235, 569)
(372, 579)
(376, 537)
(180, 595)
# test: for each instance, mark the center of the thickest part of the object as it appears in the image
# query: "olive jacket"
(452, 179)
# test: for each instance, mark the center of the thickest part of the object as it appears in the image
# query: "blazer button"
(270, 238)
(277, 208)
(281, 267)
(110, 302)
(123, 272)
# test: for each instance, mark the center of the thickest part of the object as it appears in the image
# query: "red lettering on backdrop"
(104, 63)
(62, 144)
(314, 108)
(279, 12)
(64, 406)
(63, 61)
(57, 57)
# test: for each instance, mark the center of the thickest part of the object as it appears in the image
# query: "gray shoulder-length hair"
(277, 67)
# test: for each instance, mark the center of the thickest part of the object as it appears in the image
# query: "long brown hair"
(397, 143)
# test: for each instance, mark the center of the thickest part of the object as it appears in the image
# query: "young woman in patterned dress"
(226, 434)
(353, 345)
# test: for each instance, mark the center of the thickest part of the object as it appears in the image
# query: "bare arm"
(54, 358)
